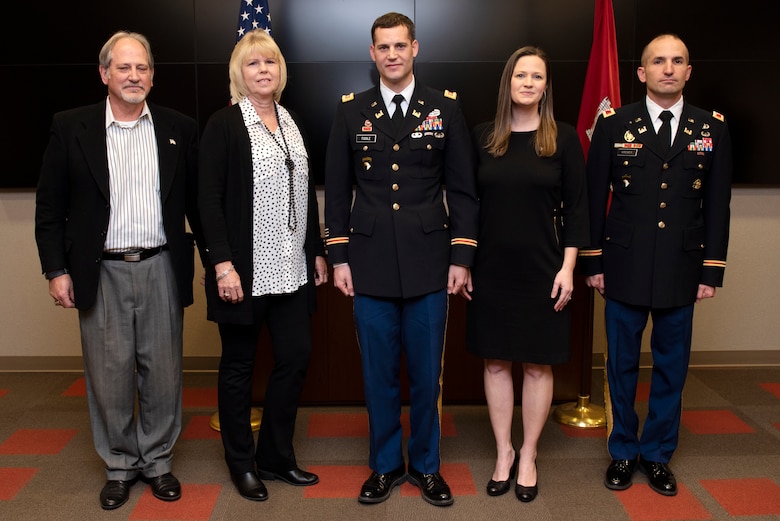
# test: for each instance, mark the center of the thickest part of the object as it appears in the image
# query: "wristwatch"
(56, 273)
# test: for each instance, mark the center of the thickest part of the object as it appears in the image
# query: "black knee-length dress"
(531, 208)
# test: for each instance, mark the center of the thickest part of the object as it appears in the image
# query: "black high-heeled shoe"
(527, 494)
(498, 488)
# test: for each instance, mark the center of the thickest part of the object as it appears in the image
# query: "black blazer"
(73, 202)
(226, 206)
(668, 223)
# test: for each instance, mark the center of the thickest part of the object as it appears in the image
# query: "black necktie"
(398, 115)
(665, 132)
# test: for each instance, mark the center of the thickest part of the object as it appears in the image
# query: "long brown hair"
(547, 133)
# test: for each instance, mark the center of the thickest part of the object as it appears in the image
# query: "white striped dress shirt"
(134, 184)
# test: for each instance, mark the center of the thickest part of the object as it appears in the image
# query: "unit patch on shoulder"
(609, 112)
(347, 97)
(718, 116)
(450, 94)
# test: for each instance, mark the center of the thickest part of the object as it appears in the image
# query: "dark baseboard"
(713, 359)
(211, 363)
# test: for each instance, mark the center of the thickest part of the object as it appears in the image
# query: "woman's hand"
(228, 282)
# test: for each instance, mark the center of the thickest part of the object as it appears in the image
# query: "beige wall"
(742, 317)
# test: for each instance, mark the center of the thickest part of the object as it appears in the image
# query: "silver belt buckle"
(132, 256)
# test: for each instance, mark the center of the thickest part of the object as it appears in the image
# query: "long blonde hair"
(545, 140)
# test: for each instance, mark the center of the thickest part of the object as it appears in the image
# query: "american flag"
(254, 14)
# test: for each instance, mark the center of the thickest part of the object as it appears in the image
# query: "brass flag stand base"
(254, 419)
(581, 414)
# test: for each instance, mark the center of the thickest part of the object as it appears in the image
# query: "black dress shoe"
(115, 493)
(165, 487)
(249, 486)
(659, 477)
(526, 494)
(377, 487)
(619, 473)
(499, 488)
(294, 476)
(433, 487)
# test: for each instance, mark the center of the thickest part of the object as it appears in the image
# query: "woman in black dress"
(533, 219)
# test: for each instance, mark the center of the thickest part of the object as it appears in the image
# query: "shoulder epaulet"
(450, 94)
(609, 112)
(718, 116)
(347, 97)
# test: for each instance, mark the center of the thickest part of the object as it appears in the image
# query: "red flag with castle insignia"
(602, 85)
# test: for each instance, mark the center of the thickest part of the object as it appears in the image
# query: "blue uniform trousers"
(671, 348)
(386, 328)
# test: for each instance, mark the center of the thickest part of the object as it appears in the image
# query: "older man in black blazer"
(659, 178)
(117, 180)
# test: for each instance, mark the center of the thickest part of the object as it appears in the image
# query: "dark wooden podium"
(335, 376)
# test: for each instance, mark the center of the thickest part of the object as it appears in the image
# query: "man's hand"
(342, 279)
(459, 281)
(596, 281)
(61, 290)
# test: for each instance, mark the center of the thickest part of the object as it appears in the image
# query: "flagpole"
(601, 92)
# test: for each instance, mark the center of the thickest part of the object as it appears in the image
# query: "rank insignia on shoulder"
(347, 97)
(609, 112)
(718, 116)
(450, 94)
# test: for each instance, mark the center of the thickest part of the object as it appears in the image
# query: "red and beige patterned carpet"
(727, 465)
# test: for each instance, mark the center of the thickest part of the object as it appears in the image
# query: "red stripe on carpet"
(642, 391)
(714, 422)
(37, 441)
(337, 481)
(3, 392)
(199, 428)
(773, 388)
(77, 388)
(195, 397)
(196, 504)
(643, 504)
(745, 497)
(13, 480)
(355, 425)
(337, 425)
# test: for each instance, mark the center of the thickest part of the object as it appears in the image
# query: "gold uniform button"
(351, 230)
(396, 148)
(446, 226)
(428, 146)
(365, 148)
(666, 166)
(661, 225)
(701, 246)
(607, 238)
(395, 187)
(396, 206)
(625, 163)
(700, 166)
(664, 186)
(395, 167)
(663, 205)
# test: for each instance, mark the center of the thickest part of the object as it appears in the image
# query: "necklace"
(292, 218)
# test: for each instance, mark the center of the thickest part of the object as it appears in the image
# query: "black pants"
(287, 317)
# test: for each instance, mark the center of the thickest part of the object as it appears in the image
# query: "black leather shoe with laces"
(377, 487)
(433, 487)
